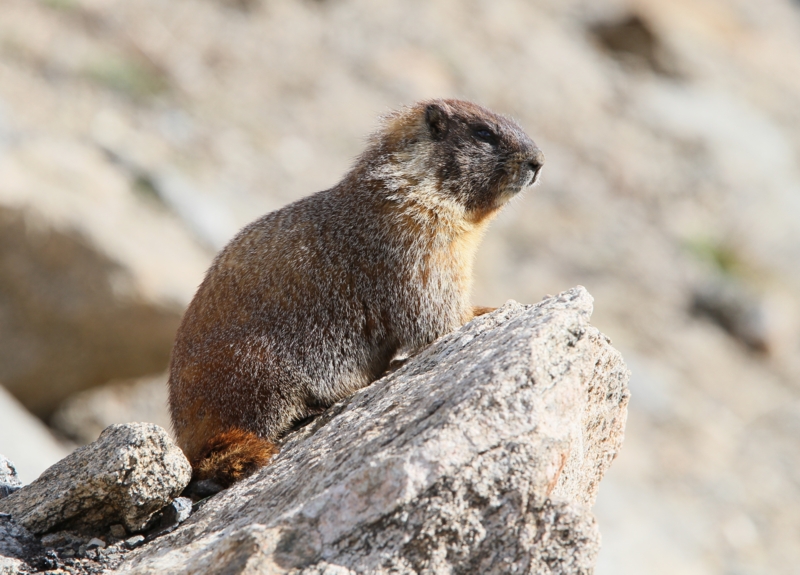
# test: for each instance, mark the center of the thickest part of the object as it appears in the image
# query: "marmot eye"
(484, 134)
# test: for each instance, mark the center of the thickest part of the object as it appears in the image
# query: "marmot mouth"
(530, 166)
(533, 177)
(528, 177)
(527, 171)
(534, 167)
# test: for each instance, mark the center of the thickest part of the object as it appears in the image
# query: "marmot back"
(312, 302)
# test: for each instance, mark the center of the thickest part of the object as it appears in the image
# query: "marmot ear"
(437, 121)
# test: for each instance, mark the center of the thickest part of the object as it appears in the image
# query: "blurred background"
(137, 136)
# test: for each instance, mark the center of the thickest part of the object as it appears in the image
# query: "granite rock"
(482, 454)
(126, 476)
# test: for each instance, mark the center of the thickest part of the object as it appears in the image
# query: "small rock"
(49, 561)
(736, 309)
(199, 490)
(95, 542)
(126, 476)
(9, 480)
(10, 565)
(62, 539)
(53, 540)
(118, 531)
(170, 517)
(134, 541)
(16, 541)
(180, 509)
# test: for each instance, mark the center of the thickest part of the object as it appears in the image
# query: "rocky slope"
(482, 454)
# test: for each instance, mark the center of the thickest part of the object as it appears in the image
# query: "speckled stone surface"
(126, 476)
(482, 454)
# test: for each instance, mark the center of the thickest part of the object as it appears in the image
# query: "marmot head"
(465, 155)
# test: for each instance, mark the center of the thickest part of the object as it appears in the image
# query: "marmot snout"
(310, 303)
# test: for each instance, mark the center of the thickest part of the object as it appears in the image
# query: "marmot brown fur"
(311, 302)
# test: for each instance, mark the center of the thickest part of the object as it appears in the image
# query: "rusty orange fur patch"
(233, 455)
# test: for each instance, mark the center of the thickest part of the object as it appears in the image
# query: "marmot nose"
(535, 164)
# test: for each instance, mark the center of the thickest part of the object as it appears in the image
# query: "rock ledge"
(483, 454)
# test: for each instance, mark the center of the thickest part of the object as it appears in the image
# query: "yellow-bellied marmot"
(311, 302)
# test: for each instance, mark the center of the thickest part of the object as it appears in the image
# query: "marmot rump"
(310, 303)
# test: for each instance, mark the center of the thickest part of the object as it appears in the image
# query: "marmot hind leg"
(231, 456)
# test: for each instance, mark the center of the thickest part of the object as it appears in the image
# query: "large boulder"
(93, 275)
(483, 454)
